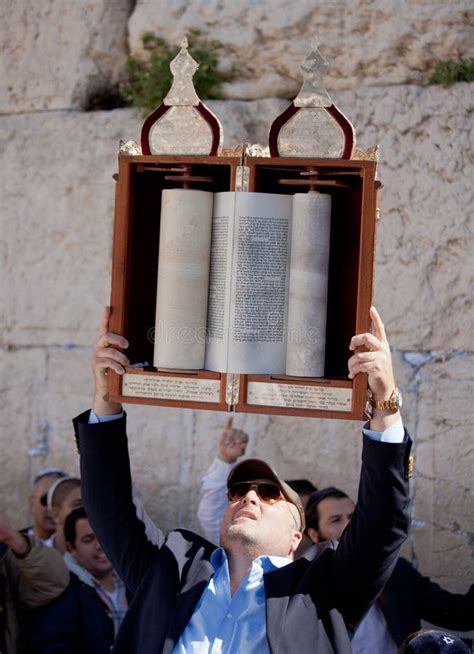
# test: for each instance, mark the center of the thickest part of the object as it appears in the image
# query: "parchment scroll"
(183, 279)
(308, 291)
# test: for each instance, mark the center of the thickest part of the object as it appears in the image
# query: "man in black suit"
(407, 599)
(249, 594)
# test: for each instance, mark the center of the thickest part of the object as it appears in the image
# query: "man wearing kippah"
(248, 595)
(43, 526)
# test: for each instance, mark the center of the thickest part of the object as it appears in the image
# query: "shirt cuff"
(393, 434)
(94, 418)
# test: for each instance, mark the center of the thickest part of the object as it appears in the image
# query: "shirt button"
(229, 616)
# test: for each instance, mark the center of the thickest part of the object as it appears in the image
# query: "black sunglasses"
(266, 491)
(43, 500)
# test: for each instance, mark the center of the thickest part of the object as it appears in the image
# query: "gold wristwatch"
(393, 404)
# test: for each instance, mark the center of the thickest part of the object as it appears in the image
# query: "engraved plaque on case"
(296, 396)
(171, 388)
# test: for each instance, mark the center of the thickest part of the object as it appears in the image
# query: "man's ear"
(69, 547)
(295, 541)
(313, 535)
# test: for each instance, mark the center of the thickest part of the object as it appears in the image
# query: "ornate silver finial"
(182, 124)
(313, 92)
(183, 68)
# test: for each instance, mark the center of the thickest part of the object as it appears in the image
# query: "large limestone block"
(424, 238)
(161, 455)
(57, 54)
(367, 44)
(247, 121)
(444, 434)
(43, 389)
(443, 502)
(58, 199)
(445, 557)
(24, 429)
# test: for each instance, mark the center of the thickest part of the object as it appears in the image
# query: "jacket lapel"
(276, 603)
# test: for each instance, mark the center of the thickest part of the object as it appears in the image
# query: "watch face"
(369, 409)
(399, 399)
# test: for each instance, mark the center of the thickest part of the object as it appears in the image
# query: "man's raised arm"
(105, 468)
(370, 544)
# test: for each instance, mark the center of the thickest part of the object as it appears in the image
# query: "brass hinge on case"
(232, 390)
(242, 172)
(242, 179)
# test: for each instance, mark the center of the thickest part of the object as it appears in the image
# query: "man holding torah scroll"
(248, 595)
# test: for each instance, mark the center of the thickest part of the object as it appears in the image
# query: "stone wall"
(57, 221)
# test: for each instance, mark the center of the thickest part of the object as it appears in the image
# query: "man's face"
(334, 516)
(72, 501)
(87, 551)
(43, 522)
(255, 528)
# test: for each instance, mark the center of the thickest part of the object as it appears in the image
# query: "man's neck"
(107, 581)
(239, 567)
(42, 534)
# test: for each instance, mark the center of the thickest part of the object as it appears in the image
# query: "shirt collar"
(266, 562)
(84, 575)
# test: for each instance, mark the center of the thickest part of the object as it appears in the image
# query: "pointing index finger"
(104, 321)
(228, 424)
(379, 327)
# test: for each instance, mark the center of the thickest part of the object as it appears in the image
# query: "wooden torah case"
(141, 181)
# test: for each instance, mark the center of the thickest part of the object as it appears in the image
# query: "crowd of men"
(281, 567)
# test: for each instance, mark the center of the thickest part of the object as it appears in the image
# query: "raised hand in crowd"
(19, 545)
(232, 442)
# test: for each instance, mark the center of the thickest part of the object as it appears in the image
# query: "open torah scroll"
(242, 282)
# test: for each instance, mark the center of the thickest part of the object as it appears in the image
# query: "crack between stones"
(12, 347)
(416, 360)
(464, 489)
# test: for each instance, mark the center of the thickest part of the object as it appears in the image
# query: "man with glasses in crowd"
(248, 595)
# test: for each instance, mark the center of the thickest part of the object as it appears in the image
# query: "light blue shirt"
(373, 635)
(230, 624)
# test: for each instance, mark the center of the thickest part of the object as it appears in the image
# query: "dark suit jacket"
(409, 598)
(77, 622)
(310, 606)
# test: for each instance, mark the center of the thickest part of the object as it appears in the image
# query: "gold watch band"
(392, 404)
